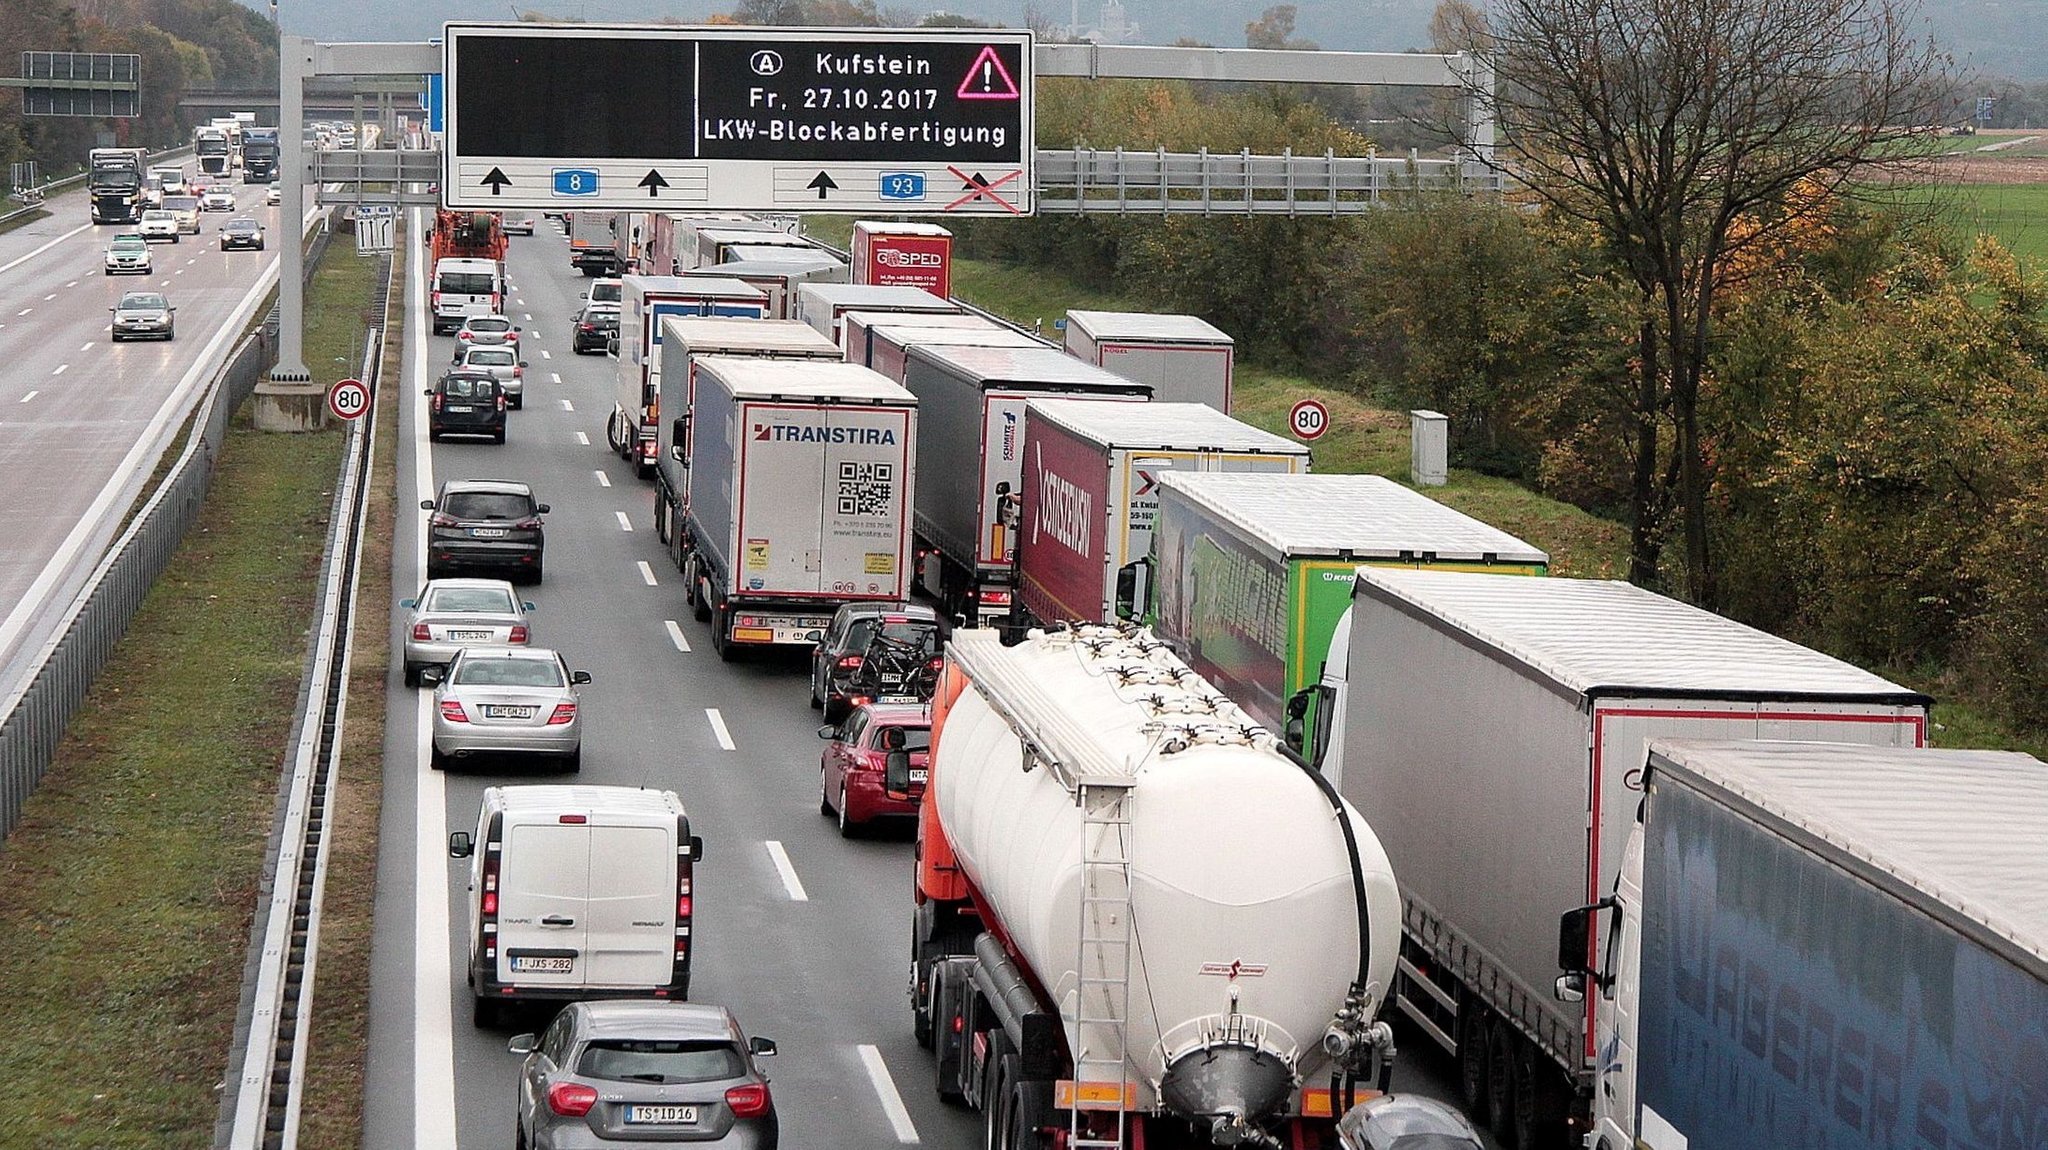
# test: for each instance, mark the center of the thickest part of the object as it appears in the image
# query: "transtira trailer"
(798, 497)
(1091, 492)
(1824, 945)
(971, 461)
(687, 339)
(1493, 730)
(644, 302)
(1250, 573)
(1138, 923)
(1184, 358)
(822, 305)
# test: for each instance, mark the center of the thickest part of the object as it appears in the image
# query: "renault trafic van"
(463, 288)
(578, 892)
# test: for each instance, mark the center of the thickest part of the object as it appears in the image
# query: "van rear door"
(544, 889)
(630, 940)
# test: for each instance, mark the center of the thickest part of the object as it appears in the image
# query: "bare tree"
(1680, 129)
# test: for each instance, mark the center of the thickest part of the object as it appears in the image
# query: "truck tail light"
(749, 1101)
(489, 905)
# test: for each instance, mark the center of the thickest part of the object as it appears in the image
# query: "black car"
(485, 524)
(876, 652)
(466, 403)
(595, 328)
(241, 232)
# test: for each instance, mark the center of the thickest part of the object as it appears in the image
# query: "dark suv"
(485, 524)
(595, 327)
(466, 403)
(876, 652)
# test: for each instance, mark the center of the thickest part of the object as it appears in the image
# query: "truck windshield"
(211, 147)
(114, 178)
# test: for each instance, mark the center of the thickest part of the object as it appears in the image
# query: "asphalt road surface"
(804, 935)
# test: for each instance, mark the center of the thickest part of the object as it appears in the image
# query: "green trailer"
(1250, 573)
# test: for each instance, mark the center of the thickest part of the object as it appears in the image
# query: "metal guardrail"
(44, 189)
(1241, 183)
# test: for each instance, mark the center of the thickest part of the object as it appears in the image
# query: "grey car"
(144, 315)
(488, 330)
(1406, 1122)
(486, 523)
(502, 361)
(512, 701)
(451, 614)
(633, 1074)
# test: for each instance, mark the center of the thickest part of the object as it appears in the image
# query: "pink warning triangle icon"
(988, 79)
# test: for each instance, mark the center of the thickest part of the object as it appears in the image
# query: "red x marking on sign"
(980, 187)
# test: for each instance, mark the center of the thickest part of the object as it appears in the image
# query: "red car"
(850, 772)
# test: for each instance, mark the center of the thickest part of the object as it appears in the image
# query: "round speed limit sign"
(348, 398)
(1308, 419)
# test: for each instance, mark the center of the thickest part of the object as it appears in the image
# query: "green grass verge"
(127, 892)
(2016, 213)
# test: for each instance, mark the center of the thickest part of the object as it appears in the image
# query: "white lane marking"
(583, 439)
(675, 635)
(647, 574)
(567, 406)
(725, 740)
(61, 369)
(85, 347)
(179, 272)
(20, 260)
(48, 298)
(603, 480)
(193, 260)
(24, 311)
(885, 1089)
(544, 354)
(554, 377)
(625, 524)
(433, 1050)
(521, 303)
(790, 883)
(527, 316)
(29, 396)
(73, 283)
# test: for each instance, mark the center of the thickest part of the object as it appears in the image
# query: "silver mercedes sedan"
(511, 701)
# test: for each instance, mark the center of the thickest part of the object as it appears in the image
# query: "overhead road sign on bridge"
(652, 118)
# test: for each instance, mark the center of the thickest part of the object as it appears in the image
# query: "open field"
(2016, 213)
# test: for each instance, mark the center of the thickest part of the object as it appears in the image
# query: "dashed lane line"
(647, 574)
(790, 883)
(885, 1089)
(675, 635)
(724, 736)
(583, 439)
(29, 396)
(603, 480)
(567, 406)
(625, 523)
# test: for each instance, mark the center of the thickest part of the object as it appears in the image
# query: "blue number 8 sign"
(575, 182)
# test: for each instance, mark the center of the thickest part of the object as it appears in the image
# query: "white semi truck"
(1137, 921)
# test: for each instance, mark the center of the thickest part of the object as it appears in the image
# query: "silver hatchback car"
(501, 361)
(627, 1073)
(514, 701)
(451, 614)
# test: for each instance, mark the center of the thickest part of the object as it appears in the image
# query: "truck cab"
(1616, 978)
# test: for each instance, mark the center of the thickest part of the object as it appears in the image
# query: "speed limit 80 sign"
(348, 398)
(1308, 419)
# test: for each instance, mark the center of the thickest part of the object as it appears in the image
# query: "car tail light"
(586, 327)
(435, 299)
(437, 401)
(564, 713)
(489, 905)
(518, 372)
(452, 711)
(518, 634)
(574, 1100)
(442, 519)
(530, 523)
(463, 335)
(848, 662)
(501, 402)
(749, 1101)
(685, 866)
(422, 632)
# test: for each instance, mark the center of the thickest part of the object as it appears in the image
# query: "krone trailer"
(1138, 923)
(1091, 492)
(1250, 573)
(644, 301)
(1493, 730)
(1823, 945)
(971, 461)
(686, 339)
(797, 497)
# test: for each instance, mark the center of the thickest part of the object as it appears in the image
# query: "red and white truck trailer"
(823, 305)
(1184, 358)
(1138, 923)
(903, 255)
(1091, 492)
(685, 340)
(797, 499)
(972, 462)
(1494, 731)
(644, 302)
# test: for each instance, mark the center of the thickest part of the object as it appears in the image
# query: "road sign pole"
(295, 61)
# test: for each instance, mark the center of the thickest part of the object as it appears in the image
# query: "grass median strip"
(126, 893)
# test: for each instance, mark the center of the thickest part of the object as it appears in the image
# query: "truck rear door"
(781, 504)
(865, 512)
(544, 887)
(629, 940)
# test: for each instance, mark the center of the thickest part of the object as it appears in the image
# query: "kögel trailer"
(1493, 730)
(1823, 945)
(644, 302)
(1250, 573)
(798, 497)
(1183, 357)
(1091, 492)
(971, 461)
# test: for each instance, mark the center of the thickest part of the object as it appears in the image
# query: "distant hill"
(1997, 37)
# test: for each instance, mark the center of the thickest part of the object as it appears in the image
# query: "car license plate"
(469, 634)
(920, 776)
(504, 711)
(661, 1115)
(459, 409)
(899, 699)
(488, 532)
(542, 964)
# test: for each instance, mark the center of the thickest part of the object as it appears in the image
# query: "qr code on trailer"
(866, 488)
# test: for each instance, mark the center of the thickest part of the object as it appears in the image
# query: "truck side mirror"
(678, 434)
(1134, 590)
(896, 773)
(1575, 951)
(1297, 717)
(460, 845)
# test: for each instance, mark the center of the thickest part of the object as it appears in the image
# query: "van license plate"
(661, 1115)
(542, 964)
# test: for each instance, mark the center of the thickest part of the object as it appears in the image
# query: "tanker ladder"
(1103, 992)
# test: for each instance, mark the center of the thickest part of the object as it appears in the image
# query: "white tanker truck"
(1139, 923)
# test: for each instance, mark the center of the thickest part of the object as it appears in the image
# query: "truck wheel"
(1021, 1136)
(701, 604)
(1472, 1068)
(1540, 1100)
(661, 519)
(1501, 1041)
(995, 1104)
(951, 1048)
(484, 1012)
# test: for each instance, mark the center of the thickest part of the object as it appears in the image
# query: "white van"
(463, 288)
(578, 892)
